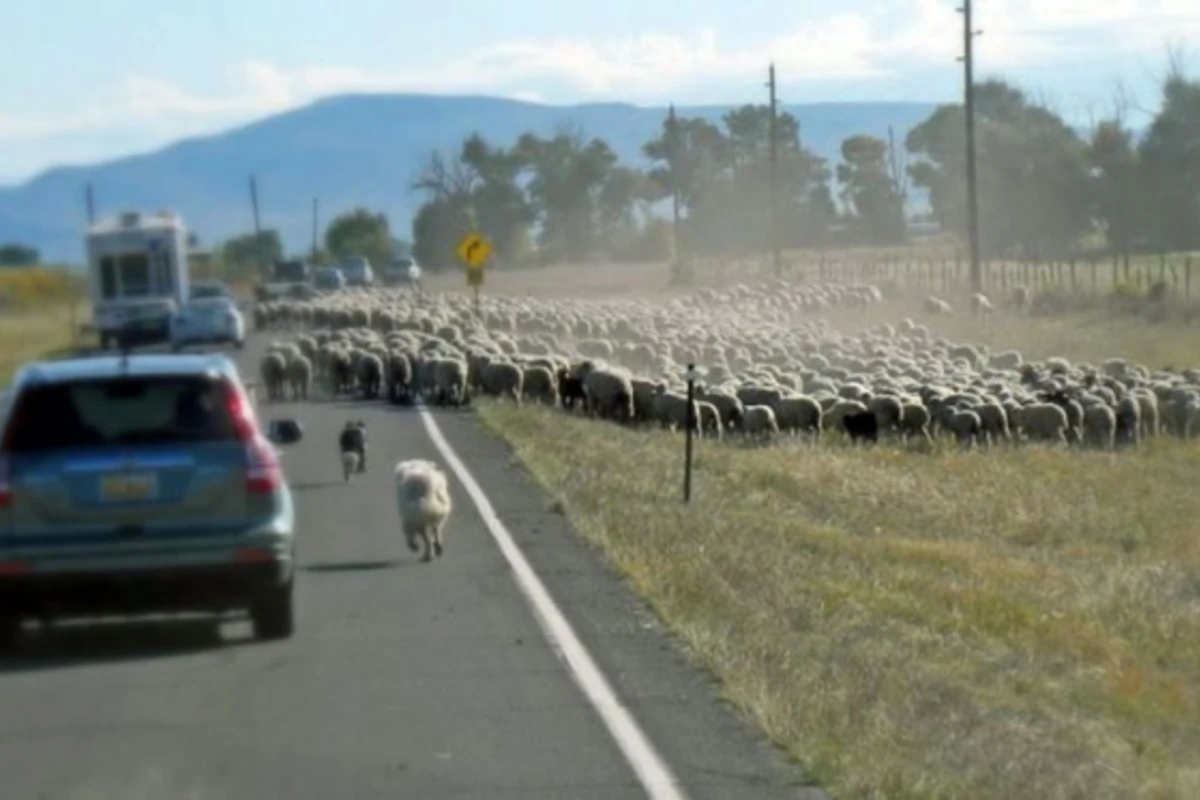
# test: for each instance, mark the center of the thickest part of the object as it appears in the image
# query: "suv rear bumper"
(210, 587)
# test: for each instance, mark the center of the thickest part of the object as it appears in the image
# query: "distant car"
(142, 484)
(403, 272)
(209, 320)
(329, 279)
(358, 271)
(199, 290)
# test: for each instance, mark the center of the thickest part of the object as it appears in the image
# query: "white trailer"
(137, 275)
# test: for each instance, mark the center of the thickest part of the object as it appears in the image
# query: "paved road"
(403, 680)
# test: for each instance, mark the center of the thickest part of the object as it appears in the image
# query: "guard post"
(690, 424)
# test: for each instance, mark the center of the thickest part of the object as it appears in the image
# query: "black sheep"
(861, 425)
(570, 391)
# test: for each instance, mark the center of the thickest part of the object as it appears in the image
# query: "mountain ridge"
(349, 150)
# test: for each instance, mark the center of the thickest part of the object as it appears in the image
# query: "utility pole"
(91, 205)
(672, 161)
(314, 232)
(773, 143)
(968, 59)
(254, 204)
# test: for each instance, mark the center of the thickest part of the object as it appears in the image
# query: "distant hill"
(352, 150)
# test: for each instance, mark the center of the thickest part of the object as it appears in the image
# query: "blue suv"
(142, 484)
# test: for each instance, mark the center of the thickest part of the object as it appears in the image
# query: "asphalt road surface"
(403, 680)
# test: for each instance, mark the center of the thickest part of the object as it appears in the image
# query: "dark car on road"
(139, 484)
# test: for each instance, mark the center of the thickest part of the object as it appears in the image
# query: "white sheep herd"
(772, 366)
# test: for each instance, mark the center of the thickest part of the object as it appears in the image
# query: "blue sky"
(83, 81)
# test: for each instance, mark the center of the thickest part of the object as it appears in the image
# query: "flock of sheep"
(771, 366)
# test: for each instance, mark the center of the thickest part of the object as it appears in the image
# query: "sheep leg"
(437, 540)
(427, 548)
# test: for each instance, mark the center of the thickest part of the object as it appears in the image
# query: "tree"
(250, 254)
(869, 190)
(436, 232)
(723, 178)
(568, 175)
(479, 190)
(498, 206)
(1170, 163)
(17, 255)
(1032, 169)
(1115, 177)
(360, 233)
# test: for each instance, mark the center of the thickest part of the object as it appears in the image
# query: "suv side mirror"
(284, 431)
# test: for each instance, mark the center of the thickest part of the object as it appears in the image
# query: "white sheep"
(980, 305)
(759, 421)
(1099, 426)
(502, 379)
(450, 381)
(609, 393)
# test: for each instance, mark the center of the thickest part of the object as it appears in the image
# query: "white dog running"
(423, 500)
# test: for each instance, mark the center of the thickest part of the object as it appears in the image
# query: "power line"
(968, 59)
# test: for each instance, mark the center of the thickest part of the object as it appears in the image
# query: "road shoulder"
(711, 749)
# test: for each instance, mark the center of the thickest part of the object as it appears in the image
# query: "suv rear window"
(120, 411)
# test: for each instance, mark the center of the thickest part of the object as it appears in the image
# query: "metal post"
(315, 249)
(254, 205)
(91, 206)
(690, 424)
(972, 175)
(773, 134)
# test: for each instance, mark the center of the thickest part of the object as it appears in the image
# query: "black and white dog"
(352, 444)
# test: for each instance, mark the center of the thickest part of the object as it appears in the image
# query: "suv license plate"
(117, 488)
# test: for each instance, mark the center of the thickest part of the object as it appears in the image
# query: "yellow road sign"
(474, 250)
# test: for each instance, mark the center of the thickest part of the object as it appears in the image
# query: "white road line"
(655, 776)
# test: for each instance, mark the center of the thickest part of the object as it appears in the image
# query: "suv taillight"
(263, 475)
(5, 484)
(6, 492)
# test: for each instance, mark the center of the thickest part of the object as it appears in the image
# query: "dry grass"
(37, 287)
(26, 336)
(1008, 624)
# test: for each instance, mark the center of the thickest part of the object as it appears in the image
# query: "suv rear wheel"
(273, 613)
(10, 632)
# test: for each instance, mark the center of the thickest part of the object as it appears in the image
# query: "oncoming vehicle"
(329, 279)
(137, 275)
(357, 271)
(208, 320)
(399, 271)
(286, 278)
(200, 290)
(141, 484)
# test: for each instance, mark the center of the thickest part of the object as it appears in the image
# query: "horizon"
(197, 71)
(6, 183)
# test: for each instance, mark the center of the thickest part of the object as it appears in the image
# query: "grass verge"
(1009, 624)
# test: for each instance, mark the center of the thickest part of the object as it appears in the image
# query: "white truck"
(286, 278)
(137, 275)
